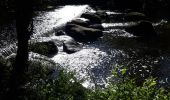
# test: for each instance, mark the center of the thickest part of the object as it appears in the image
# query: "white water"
(55, 19)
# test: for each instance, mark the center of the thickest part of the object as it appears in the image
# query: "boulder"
(101, 13)
(93, 18)
(59, 33)
(142, 29)
(83, 34)
(80, 21)
(97, 26)
(134, 16)
(48, 49)
(71, 46)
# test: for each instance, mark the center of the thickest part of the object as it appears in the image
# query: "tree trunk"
(23, 19)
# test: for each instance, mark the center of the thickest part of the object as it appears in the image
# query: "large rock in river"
(48, 49)
(83, 34)
(71, 46)
(94, 18)
(142, 29)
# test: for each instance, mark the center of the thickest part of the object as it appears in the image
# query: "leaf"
(114, 73)
(123, 71)
(153, 83)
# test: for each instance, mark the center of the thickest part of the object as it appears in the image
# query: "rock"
(97, 26)
(142, 29)
(134, 16)
(101, 13)
(83, 34)
(71, 46)
(48, 49)
(80, 21)
(93, 18)
(59, 33)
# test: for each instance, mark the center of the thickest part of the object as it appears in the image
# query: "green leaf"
(114, 73)
(153, 83)
(123, 71)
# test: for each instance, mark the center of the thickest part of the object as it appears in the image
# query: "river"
(95, 62)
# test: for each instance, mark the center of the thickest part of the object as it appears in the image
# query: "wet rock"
(97, 26)
(94, 18)
(80, 21)
(59, 33)
(48, 49)
(101, 13)
(135, 16)
(142, 29)
(71, 46)
(83, 34)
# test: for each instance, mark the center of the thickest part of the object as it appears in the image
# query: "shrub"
(125, 88)
(63, 87)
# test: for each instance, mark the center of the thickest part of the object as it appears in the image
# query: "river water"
(94, 63)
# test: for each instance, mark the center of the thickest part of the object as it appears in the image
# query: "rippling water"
(57, 18)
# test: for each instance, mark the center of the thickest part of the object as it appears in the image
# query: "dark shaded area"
(22, 12)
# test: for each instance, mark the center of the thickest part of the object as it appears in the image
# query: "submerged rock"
(48, 49)
(134, 16)
(94, 18)
(83, 34)
(71, 46)
(142, 29)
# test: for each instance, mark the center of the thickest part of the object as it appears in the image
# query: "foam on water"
(117, 25)
(81, 62)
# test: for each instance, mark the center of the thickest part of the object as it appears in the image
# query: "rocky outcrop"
(142, 29)
(71, 46)
(83, 34)
(93, 18)
(48, 49)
